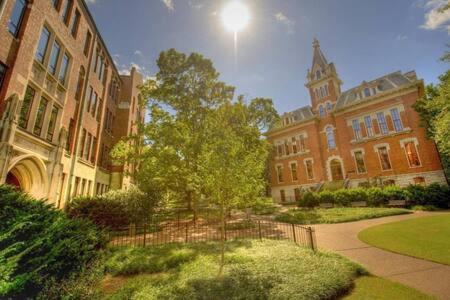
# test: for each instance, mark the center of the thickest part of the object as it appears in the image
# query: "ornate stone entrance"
(28, 173)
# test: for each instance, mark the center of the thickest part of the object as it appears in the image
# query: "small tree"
(232, 161)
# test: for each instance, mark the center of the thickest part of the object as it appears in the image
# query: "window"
(16, 17)
(419, 180)
(40, 116)
(321, 111)
(382, 123)
(294, 145)
(43, 44)
(2, 74)
(282, 196)
(286, 148)
(80, 84)
(89, 98)
(384, 158)
(66, 11)
(63, 69)
(94, 149)
(366, 92)
(302, 143)
(94, 104)
(99, 110)
(359, 159)
(26, 107)
(369, 125)
(87, 147)
(70, 134)
(356, 129)
(56, 3)
(329, 106)
(412, 155)
(294, 171)
(87, 43)
(280, 150)
(75, 24)
(82, 143)
(309, 169)
(318, 74)
(280, 173)
(330, 138)
(52, 123)
(396, 120)
(54, 57)
(326, 89)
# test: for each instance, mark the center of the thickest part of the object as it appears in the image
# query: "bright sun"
(235, 16)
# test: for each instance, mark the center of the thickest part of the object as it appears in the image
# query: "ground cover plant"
(40, 245)
(336, 215)
(426, 237)
(253, 270)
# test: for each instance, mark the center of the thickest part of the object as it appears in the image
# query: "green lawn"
(427, 238)
(375, 288)
(254, 270)
(337, 215)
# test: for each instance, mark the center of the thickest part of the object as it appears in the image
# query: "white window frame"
(277, 166)
(353, 151)
(388, 149)
(306, 168)
(296, 170)
(403, 143)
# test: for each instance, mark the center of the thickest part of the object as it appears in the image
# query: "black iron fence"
(147, 234)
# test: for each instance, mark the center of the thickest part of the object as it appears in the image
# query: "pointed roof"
(318, 57)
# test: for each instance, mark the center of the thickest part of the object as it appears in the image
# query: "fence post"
(259, 230)
(293, 233)
(311, 238)
(145, 232)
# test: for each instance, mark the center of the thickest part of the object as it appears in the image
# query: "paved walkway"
(429, 277)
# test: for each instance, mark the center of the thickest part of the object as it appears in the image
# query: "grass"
(254, 270)
(368, 287)
(337, 215)
(427, 237)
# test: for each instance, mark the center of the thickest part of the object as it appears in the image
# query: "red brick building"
(63, 103)
(365, 135)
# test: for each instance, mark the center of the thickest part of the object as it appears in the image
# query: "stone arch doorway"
(29, 173)
(336, 170)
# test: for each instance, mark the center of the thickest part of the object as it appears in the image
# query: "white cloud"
(288, 23)
(436, 16)
(401, 37)
(139, 53)
(196, 4)
(169, 4)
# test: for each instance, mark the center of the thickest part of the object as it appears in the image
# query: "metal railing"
(189, 232)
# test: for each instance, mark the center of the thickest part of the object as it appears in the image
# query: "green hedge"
(39, 244)
(431, 195)
(114, 209)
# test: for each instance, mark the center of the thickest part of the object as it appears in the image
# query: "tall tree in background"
(434, 109)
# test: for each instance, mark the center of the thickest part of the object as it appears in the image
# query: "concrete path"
(428, 277)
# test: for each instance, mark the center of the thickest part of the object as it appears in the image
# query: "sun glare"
(235, 16)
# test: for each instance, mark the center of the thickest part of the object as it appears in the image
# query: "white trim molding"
(331, 158)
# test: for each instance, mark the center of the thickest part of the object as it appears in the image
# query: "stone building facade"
(367, 135)
(63, 103)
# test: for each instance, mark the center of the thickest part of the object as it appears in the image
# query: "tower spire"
(318, 57)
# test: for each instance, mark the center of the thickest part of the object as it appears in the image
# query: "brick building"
(365, 135)
(63, 103)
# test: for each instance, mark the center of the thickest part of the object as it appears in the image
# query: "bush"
(114, 209)
(376, 197)
(431, 195)
(326, 197)
(39, 244)
(309, 200)
(264, 206)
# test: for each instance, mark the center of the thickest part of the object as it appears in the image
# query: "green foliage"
(434, 109)
(336, 215)
(326, 197)
(116, 208)
(254, 270)
(431, 195)
(264, 206)
(39, 244)
(309, 200)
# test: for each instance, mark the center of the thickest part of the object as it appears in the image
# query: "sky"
(365, 39)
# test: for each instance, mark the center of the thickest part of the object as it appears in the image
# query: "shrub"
(431, 195)
(342, 197)
(39, 244)
(309, 200)
(264, 206)
(393, 192)
(114, 209)
(358, 195)
(376, 197)
(326, 197)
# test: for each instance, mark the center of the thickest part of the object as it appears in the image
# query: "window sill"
(380, 136)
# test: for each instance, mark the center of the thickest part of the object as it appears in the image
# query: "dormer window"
(329, 106)
(366, 92)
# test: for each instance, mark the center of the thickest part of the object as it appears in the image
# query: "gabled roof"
(382, 84)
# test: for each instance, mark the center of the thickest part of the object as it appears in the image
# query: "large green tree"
(434, 108)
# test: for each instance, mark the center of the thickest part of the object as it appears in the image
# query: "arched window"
(366, 92)
(330, 138)
(321, 111)
(322, 91)
(318, 74)
(326, 90)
